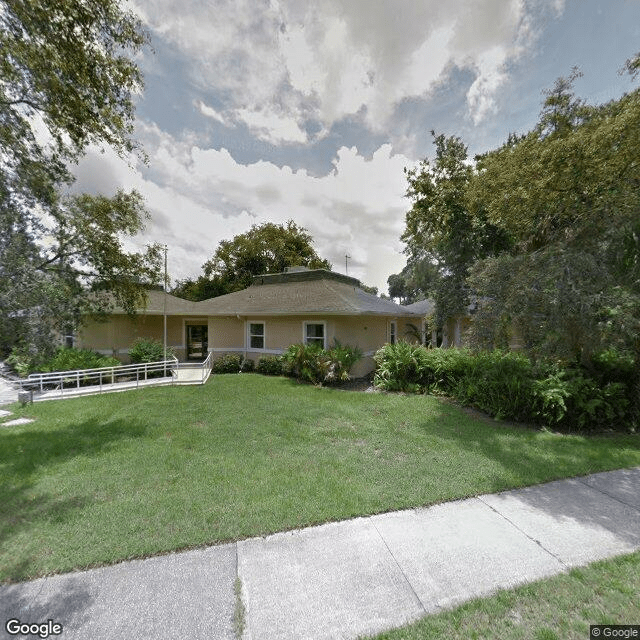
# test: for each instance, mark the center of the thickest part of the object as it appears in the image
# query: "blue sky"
(269, 110)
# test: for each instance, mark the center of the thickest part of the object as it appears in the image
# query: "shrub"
(270, 366)
(305, 362)
(247, 365)
(400, 367)
(507, 384)
(312, 363)
(23, 361)
(147, 350)
(443, 369)
(340, 360)
(592, 407)
(411, 367)
(69, 359)
(500, 383)
(228, 363)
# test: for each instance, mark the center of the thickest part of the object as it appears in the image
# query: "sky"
(260, 111)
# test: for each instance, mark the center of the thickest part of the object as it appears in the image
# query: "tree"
(568, 193)
(442, 229)
(266, 248)
(66, 81)
(417, 281)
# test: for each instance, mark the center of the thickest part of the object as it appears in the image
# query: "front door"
(197, 341)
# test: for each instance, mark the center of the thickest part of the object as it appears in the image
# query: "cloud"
(200, 196)
(278, 64)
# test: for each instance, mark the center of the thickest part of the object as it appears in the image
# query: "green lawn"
(558, 608)
(101, 479)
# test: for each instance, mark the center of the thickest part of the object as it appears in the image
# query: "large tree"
(265, 248)
(67, 80)
(443, 230)
(568, 193)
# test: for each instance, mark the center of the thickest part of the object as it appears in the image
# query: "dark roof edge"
(304, 276)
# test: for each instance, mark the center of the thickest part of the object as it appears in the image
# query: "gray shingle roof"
(298, 293)
(422, 307)
(324, 295)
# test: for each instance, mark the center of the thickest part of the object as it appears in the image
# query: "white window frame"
(252, 335)
(306, 323)
(393, 332)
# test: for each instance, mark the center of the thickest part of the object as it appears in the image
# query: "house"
(276, 310)
(454, 329)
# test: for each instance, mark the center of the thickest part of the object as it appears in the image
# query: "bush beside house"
(310, 363)
(24, 362)
(147, 350)
(508, 385)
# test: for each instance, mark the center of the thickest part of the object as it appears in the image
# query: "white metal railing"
(67, 380)
(204, 367)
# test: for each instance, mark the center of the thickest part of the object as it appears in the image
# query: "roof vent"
(295, 269)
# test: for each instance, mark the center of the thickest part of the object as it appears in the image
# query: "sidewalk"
(8, 393)
(343, 579)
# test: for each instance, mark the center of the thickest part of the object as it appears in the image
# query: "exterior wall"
(116, 336)
(228, 334)
(369, 333)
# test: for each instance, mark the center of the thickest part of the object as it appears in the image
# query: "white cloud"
(210, 112)
(199, 197)
(277, 63)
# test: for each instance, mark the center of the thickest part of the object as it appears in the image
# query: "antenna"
(346, 264)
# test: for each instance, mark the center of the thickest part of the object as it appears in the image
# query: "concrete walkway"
(8, 393)
(348, 578)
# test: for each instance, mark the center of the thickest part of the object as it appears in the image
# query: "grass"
(558, 608)
(98, 480)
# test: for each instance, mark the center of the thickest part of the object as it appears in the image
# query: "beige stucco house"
(277, 310)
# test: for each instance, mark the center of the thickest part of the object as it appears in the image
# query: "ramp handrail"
(204, 366)
(102, 375)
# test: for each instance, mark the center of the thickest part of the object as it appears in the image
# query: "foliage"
(508, 385)
(341, 358)
(68, 359)
(417, 280)
(266, 248)
(406, 366)
(228, 363)
(66, 83)
(23, 360)
(63, 359)
(553, 299)
(148, 350)
(247, 365)
(543, 232)
(443, 230)
(312, 363)
(498, 382)
(400, 367)
(270, 366)
(568, 195)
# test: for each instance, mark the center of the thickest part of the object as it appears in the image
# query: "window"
(256, 335)
(314, 333)
(392, 332)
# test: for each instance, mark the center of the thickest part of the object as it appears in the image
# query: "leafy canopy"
(568, 194)
(266, 248)
(67, 80)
